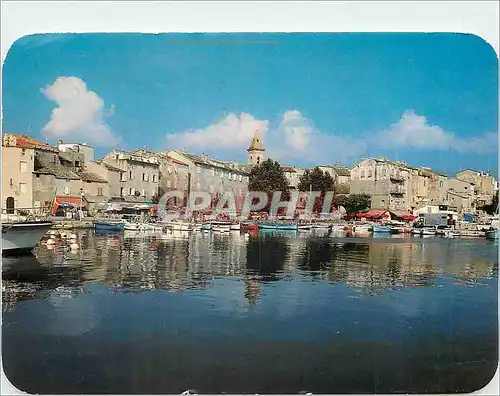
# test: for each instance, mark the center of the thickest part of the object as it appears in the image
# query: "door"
(9, 204)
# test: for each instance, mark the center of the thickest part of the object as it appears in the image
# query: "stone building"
(173, 174)
(213, 176)
(484, 185)
(114, 176)
(140, 179)
(95, 190)
(18, 161)
(86, 151)
(385, 181)
(256, 150)
(54, 185)
(460, 195)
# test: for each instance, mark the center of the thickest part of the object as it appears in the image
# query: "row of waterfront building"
(38, 175)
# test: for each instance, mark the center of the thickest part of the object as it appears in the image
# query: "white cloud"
(231, 132)
(295, 140)
(80, 114)
(298, 140)
(413, 131)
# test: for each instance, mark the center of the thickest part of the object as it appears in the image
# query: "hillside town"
(52, 178)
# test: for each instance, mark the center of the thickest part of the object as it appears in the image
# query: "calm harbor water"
(252, 314)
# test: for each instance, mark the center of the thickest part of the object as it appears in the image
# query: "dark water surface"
(248, 314)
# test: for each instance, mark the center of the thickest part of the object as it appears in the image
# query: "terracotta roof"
(61, 172)
(92, 177)
(26, 142)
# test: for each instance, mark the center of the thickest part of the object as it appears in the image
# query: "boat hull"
(492, 234)
(379, 228)
(21, 238)
(109, 226)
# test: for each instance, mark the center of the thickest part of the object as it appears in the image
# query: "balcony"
(397, 177)
(397, 190)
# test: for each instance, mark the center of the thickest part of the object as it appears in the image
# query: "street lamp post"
(81, 204)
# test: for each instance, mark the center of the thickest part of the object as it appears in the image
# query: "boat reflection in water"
(267, 312)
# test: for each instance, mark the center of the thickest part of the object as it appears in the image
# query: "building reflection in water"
(178, 262)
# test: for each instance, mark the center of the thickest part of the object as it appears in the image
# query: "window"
(130, 175)
(153, 178)
(198, 186)
(145, 177)
(23, 166)
(131, 191)
(248, 179)
(221, 174)
(99, 191)
(23, 152)
(370, 174)
(169, 183)
(258, 160)
(66, 190)
(77, 163)
(229, 175)
(235, 176)
(22, 188)
(54, 160)
(362, 174)
(122, 191)
(143, 192)
(198, 169)
(123, 176)
(38, 176)
(241, 178)
(441, 183)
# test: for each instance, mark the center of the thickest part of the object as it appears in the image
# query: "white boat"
(131, 226)
(362, 228)
(416, 231)
(221, 226)
(321, 226)
(181, 226)
(235, 227)
(428, 231)
(22, 236)
(197, 227)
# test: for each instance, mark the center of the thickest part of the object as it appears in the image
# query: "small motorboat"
(249, 226)
(206, 226)
(221, 226)
(428, 231)
(321, 226)
(492, 234)
(381, 228)
(109, 225)
(22, 236)
(131, 226)
(235, 227)
(304, 227)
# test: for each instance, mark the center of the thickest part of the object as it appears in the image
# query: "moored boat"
(381, 228)
(235, 227)
(221, 226)
(249, 226)
(22, 236)
(492, 234)
(428, 231)
(110, 225)
(206, 226)
(271, 225)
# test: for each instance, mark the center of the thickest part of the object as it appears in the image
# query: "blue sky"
(429, 99)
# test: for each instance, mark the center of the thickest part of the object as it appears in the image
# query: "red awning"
(67, 202)
(375, 214)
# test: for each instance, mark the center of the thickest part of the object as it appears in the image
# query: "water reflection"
(260, 313)
(186, 261)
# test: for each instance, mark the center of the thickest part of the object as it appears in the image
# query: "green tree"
(491, 208)
(355, 203)
(268, 177)
(316, 180)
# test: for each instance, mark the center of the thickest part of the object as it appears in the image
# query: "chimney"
(59, 142)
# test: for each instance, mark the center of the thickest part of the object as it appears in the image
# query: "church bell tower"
(256, 150)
